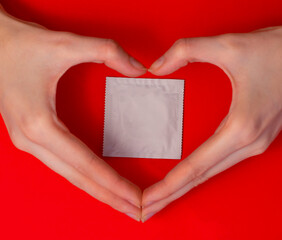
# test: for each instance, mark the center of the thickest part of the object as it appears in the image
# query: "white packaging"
(143, 118)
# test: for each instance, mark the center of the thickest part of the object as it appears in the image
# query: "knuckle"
(261, 146)
(180, 47)
(248, 135)
(193, 173)
(121, 207)
(36, 127)
(199, 180)
(78, 183)
(190, 172)
(196, 173)
(62, 42)
(166, 183)
(63, 38)
(244, 132)
(19, 144)
(233, 45)
(111, 48)
(231, 41)
(17, 140)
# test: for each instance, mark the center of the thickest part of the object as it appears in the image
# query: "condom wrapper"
(143, 118)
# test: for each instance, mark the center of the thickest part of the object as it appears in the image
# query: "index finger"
(55, 137)
(99, 50)
(83, 182)
(215, 149)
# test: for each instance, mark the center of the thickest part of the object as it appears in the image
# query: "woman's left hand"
(253, 62)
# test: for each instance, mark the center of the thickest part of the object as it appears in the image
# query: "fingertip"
(157, 73)
(167, 68)
(146, 217)
(138, 68)
(157, 65)
(136, 216)
(135, 74)
(164, 66)
(136, 64)
(127, 66)
(133, 216)
(134, 212)
(126, 69)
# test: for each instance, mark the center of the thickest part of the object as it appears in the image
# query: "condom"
(143, 118)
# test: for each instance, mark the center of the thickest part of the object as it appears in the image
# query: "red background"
(244, 202)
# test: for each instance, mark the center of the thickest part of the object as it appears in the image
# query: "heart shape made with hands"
(45, 136)
(73, 107)
(93, 174)
(221, 151)
(239, 135)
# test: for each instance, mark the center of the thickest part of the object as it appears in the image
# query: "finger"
(107, 51)
(214, 150)
(256, 147)
(83, 182)
(185, 50)
(56, 138)
(228, 162)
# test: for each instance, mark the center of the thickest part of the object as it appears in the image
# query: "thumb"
(185, 50)
(99, 50)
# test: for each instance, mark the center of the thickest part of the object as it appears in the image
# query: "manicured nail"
(133, 216)
(136, 64)
(157, 64)
(145, 218)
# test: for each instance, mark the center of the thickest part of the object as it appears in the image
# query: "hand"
(253, 62)
(32, 61)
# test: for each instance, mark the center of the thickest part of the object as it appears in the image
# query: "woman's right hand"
(32, 61)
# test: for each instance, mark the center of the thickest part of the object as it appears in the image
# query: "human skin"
(253, 63)
(34, 58)
(32, 61)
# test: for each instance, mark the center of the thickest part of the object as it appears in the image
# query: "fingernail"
(136, 64)
(133, 216)
(147, 217)
(147, 204)
(157, 64)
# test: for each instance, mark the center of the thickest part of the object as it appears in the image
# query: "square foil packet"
(143, 118)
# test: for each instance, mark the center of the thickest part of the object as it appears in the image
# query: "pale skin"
(253, 63)
(34, 58)
(32, 61)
